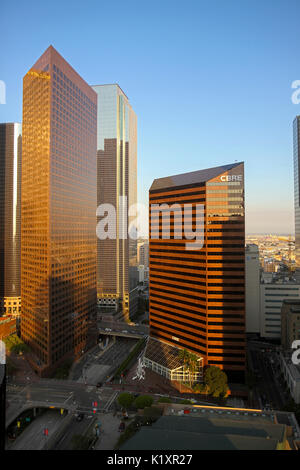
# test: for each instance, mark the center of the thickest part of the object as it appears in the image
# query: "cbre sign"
(231, 178)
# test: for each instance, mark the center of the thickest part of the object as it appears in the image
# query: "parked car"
(99, 384)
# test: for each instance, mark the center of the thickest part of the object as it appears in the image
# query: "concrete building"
(296, 154)
(10, 218)
(216, 428)
(58, 249)
(290, 323)
(272, 295)
(143, 254)
(117, 275)
(252, 269)
(143, 274)
(291, 373)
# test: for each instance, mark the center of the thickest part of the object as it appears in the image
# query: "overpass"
(48, 393)
(110, 328)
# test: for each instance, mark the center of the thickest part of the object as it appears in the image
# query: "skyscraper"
(58, 254)
(10, 218)
(2, 394)
(197, 293)
(117, 275)
(296, 151)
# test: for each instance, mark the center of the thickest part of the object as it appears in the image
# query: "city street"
(98, 365)
(267, 388)
(33, 438)
(61, 394)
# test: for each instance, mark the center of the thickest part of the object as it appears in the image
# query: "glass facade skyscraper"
(197, 296)
(296, 151)
(117, 275)
(58, 254)
(10, 218)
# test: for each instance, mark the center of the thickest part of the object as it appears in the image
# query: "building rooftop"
(208, 433)
(194, 177)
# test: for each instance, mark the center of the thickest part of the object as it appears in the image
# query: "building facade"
(58, 237)
(290, 323)
(272, 296)
(117, 275)
(291, 373)
(252, 268)
(197, 288)
(143, 254)
(10, 218)
(296, 152)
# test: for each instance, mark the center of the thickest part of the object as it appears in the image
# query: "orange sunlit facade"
(197, 296)
(58, 238)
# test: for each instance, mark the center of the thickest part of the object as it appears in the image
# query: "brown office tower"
(117, 274)
(197, 285)
(58, 254)
(10, 218)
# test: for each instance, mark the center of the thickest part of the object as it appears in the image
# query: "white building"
(291, 374)
(252, 267)
(272, 295)
(143, 274)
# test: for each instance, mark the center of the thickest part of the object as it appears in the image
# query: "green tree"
(152, 413)
(164, 400)
(192, 365)
(216, 381)
(184, 355)
(125, 399)
(143, 401)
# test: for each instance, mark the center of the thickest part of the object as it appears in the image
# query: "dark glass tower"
(10, 218)
(58, 254)
(197, 296)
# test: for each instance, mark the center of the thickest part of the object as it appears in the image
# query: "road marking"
(111, 400)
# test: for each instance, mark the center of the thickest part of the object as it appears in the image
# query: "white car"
(107, 329)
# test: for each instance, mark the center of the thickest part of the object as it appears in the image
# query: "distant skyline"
(210, 83)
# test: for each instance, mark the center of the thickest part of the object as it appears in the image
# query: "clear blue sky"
(210, 82)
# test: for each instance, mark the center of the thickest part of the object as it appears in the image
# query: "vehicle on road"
(99, 384)
(79, 417)
(107, 329)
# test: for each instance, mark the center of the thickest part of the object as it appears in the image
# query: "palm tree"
(184, 356)
(192, 365)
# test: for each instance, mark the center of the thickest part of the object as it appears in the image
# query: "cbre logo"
(231, 178)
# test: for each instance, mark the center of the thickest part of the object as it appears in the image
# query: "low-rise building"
(252, 268)
(216, 428)
(272, 295)
(290, 322)
(291, 373)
